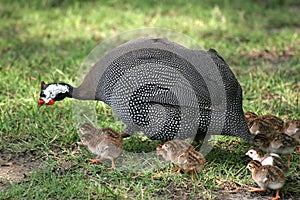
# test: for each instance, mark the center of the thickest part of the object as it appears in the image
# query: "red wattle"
(51, 102)
(41, 102)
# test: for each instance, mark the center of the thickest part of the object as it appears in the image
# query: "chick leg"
(112, 162)
(288, 156)
(192, 170)
(277, 195)
(299, 150)
(93, 161)
(256, 190)
(195, 173)
(176, 169)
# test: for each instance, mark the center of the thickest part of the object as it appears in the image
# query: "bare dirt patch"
(22, 165)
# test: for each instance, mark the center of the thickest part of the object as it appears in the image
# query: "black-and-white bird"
(162, 89)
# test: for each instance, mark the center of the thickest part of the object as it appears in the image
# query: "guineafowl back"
(167, 91)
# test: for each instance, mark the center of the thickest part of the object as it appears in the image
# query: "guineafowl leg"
(277, 195)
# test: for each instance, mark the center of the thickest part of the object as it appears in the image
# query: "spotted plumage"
(165, 90)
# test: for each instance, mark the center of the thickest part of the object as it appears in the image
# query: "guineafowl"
(162, 89)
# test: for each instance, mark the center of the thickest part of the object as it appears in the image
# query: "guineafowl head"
(53, 92)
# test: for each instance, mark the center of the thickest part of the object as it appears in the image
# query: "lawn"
(50, 39)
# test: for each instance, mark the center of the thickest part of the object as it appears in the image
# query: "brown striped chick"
(87, 128)
(266, 176)
(292, 128)
(171, 150)
(265, 124)
(191, 160)
(260, 126)
(267, 159)
(249, 116)
(108, 132)
(275, 121)
(280, 143)
(263, 142)
(283, 144)
(104, 142)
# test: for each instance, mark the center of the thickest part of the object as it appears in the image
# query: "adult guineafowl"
(162, 89)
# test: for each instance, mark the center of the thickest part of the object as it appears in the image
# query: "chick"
(249, 116)
(87, 128)
(276, 143)
(263, 142)
(292, 128)
(266, 176)
(170, 150)
(275, 121)
(283, 144)
(108, 132)
(104, 142)
(267, 159)
(265, 124)
(260, 126)
(191, 160)
(182, 154)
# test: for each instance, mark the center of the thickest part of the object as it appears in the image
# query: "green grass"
(48, 40)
